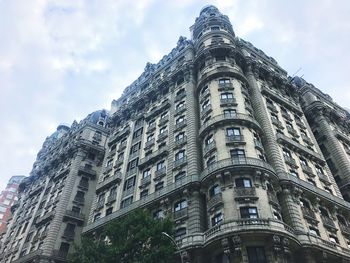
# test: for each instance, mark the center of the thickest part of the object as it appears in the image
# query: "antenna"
(296, 72)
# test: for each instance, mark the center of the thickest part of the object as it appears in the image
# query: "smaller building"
(7, 199)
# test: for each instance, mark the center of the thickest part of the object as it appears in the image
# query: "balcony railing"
(328, 222)
(206, 110)
(272, 198)
(181, 214)
(272, 107)
(245, 192)
(116, 178)
(100, 204)
(145, 181)
(154, 156)
(75, 215)
(225, 86)
(68, 234)
(128, 191)
(122, 146)
(308, 213)
(163, 120)
(323, 177)
(84, 184)
(180, 142)
(300, 123)
(345, 229)
(160, 173)
(162, 136)
(286, 116)
(307, 169)
(289, 160)
(204, 95)
(307, 140)
(179, 110)
(79, 199)
(209, 147)
(292, 131)
(151, 127)
(214, 201)
(111, 198)
(246, 162)
(87, 170)
(234, 139)
(180, 125)
(180, 96)
(179, 162)
(229, 101)
(277, 123)
(258, 144)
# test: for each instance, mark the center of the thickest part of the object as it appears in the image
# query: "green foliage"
(135, 238)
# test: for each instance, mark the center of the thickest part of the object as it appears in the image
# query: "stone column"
(195, 213)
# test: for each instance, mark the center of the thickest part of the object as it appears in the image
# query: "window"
(180, 136)
(180, 105)
(101, 197)
(143, 193)
(180, 176)
(256, 255)
(182, 204)
(303, 162)
(249, 212)
(164, 115)
(224, 81)
(214, 28)
(97, 217)
(227, 95)
(180, 233)
(159, 186)
(233, 132)
(209, 139)
(205, 104)
(135, 148)
(314, 231)
(311, 181)
(237, 154)
(214, 190)
(180, 92)
(287, 153)
(146, 173)
(162, 129)
(274, 118)
(229, 113)
(137, 134)
(293, 173)
(129, 183)
(132, 164)
(217, 219)
(319, 170)
(151, 122)
(327, 189)
(109, 211)
(160, 165)
(150, 137)
(180, 119)
(210, 161)
(180, 155)
(243, 183)
(126, 202)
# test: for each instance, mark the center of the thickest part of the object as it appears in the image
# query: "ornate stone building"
(55, 198)
(217, 136)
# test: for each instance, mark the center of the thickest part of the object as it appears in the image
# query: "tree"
(135, 238)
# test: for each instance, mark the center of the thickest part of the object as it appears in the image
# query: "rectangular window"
(233, 132)
(137, 133)
(237, 154)
(249, 212)
(129, 183)
(224, 81)
(126, 202)
(256, 255)
(217, 219)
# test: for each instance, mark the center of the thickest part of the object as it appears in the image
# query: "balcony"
(204, 95)
(100, 204)
(180, 142)
(307, 169)
(272, 107)
(214, 201)
(58, 254)
(225, 86)
(179, 110)
(231, 119)
(180, 96)
(134, 154)
(109, 181)
(258, 145)
(118, 135)
(307, 140)
(83, 185)
(228, 102)
(111, 198)
(151, 127)
(209, 148)
(45, 218)
(290, 161)
(206, 110)
(344, 229)
(162, 136)
(286, 116)
(245, 193)
(30, 257)
(122, 146)
(272, 198)
(145, 181)
(323, 178)
(292, 131)
(127, 192)
(277, 123)
(328, 222)
(68, 234)
(300, 124)
(131, 172)
(87, 170)
(74, 215)
(179, 162)
(235, 139)
(79, 199)
(163, 120)
(154, 156)
(181, 214)
(308, 213)
(119, 162)
(160, 173)
(237, 163)
(149, 144)
(180, 125)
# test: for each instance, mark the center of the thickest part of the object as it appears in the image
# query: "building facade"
(217, 136)
(55, 198)
(7, 197)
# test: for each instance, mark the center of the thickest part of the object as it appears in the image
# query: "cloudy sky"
(60, 60)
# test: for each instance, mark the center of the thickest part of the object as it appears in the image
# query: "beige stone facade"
(220, 138)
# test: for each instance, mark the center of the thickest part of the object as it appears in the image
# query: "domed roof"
(97, 116)
(209, 9)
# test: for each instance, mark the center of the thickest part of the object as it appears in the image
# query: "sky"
(61, 60)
